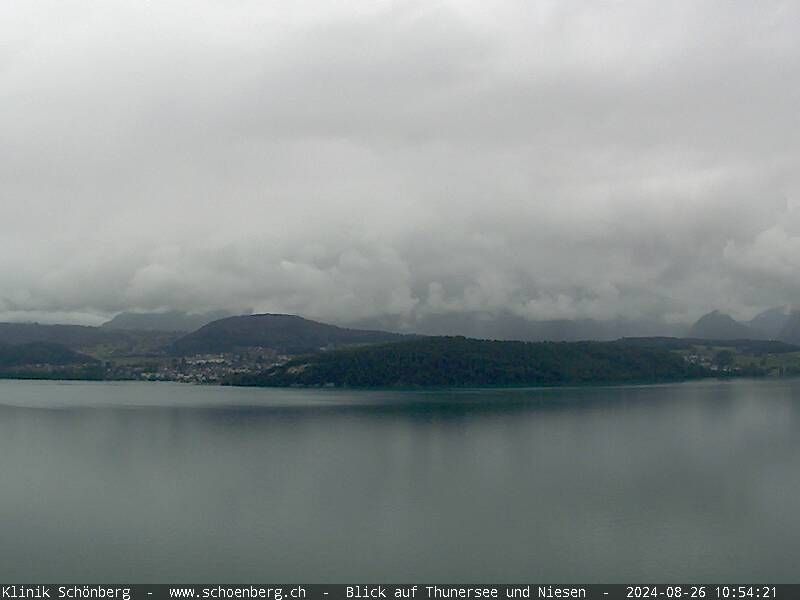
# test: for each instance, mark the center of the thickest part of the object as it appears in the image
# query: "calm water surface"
(149, 482)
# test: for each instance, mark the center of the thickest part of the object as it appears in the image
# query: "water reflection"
(181, 483)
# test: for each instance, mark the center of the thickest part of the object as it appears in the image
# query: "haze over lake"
(165, 483)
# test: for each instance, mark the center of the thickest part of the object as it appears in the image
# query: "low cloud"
(347, 161)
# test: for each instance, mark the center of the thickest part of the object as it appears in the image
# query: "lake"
(159, 482)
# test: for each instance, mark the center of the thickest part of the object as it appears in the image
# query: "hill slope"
(43, 360)
(719, 326)
(458, 361)
(40, 353)
(72, 336)
(91, 340)
(285, 334)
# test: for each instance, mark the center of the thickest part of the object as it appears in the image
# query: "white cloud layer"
(352, 159)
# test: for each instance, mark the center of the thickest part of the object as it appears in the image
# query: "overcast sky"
(343, 160)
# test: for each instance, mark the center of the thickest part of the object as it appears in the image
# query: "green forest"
(459, 361)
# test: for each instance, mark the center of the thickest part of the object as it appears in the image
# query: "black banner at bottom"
(396, 591)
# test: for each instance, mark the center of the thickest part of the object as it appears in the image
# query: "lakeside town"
(200, 368)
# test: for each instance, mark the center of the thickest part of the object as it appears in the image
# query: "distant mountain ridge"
(285, 334)
(771, 322)
(291, 334)
(779, 323)
(510, 327)
(173, 320)
(791, 329)
(717, 325)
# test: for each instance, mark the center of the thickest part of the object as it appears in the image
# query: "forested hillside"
(458, 361)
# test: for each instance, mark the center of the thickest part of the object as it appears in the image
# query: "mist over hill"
(173, 320)
(791, 329)
(508, 326)
(771, 322)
